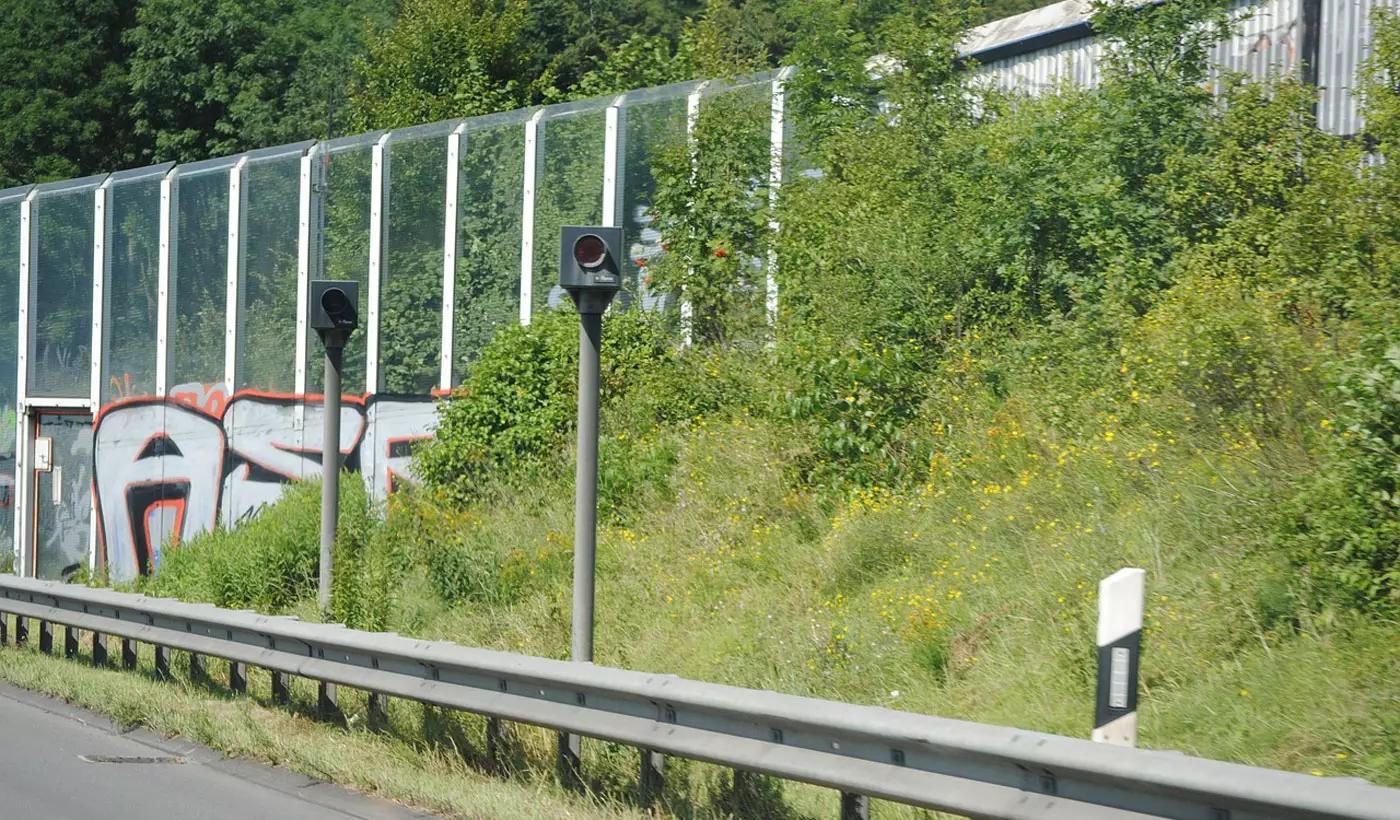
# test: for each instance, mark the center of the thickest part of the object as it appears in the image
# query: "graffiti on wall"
(168, 469)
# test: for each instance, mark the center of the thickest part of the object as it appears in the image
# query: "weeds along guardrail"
(865, 752)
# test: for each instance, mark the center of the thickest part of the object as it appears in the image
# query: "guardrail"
(866, 752)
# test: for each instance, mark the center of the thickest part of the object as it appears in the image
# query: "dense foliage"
(1020, 343)
(99, 85)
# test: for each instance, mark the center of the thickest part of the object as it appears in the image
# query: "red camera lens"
(590, 251)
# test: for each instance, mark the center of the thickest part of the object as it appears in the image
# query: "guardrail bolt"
(1219, 814)
(46, 637)
(652, 782)
(1047, 784)
(21, 630)
(280, 693)
(99, 649)
(70, 642)
(238, 677)
(163, 662)
(854, 806)
(128, 653)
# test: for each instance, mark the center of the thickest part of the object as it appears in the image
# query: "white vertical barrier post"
(692, 116)
(304, 238)
(527, 219)
(378, 206)
(23, 474)
(99, 273)
(1119, 640)
(449, 255)
(777, 132)
(167, 191)
(235, 257)
(611, 149)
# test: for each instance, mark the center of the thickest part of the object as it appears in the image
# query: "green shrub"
(855, 402)
(1343, 529)
(509, 423)
(273, 561)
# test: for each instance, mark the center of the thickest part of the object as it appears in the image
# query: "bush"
(1343, 529)
(509, 423)
(273, 561)
(856, 402)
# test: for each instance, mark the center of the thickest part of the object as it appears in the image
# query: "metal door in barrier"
(62, 494)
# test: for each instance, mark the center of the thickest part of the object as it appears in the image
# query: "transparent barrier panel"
(568, 191)
(9, 356)
(340, 238)
(490, 196)
(130, 287)
(267, 321)
(198, 279)
(651, 124)
(60, 293)
(736, 180)
(410, 290)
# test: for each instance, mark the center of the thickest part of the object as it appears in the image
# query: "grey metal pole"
(590, 335)
(330, 474)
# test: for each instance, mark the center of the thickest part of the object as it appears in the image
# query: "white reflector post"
(1120, 638)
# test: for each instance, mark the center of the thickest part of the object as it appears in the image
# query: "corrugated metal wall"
(1268, 43)
(1038, 71)
(1346, 41)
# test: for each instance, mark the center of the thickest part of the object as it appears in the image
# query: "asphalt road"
(62, 763)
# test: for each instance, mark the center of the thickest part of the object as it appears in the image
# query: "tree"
(442, 59)
(215, 78)
(64, 92)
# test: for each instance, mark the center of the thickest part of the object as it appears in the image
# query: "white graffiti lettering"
(169, 469)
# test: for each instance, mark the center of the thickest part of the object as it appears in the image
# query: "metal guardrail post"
(4, 629)
(99, 649)
(281, 694)
(21, 630)
(46, 637)
(328, 701)
(378, 711)
(651, 782)
(238, 677)
(70, 642)
(198, 672)
(854, 806)
(496, 745)
(128, 653)
(162, 662)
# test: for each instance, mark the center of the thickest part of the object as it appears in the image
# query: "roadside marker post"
(1120, 642)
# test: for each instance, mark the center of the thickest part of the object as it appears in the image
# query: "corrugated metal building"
(1325, 39)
